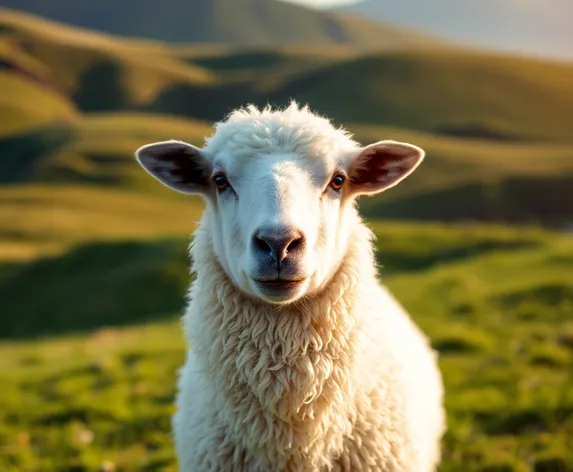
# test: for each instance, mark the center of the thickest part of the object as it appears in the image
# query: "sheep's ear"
(178, 165)
(382, 165)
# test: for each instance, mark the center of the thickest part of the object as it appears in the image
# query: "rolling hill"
(540, 27)
(442, 91)
(496, 128)
(230, 22)
(456, 93)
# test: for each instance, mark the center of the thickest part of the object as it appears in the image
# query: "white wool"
(339, 379)
(294, 129)
(342, 381)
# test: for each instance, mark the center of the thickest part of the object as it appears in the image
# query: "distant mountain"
(541, 27)
(236, 22)
(70, 71)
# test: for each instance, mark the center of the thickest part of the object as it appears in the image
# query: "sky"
(535, 4)
(322, 3)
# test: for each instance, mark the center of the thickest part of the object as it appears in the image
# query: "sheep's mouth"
(279, 284)
(279, 291)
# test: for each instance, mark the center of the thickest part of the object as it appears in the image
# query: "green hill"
(461, 179)
(233, 22)
(450, 92)
(454, 93)
(80, 70)
(447, 92)
(470, 178)
(496, 128)
(97, 150)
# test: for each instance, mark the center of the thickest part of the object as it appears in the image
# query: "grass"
(104, 398)
(502, 322)
(496, 302)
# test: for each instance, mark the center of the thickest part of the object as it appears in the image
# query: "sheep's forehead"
(266, 139)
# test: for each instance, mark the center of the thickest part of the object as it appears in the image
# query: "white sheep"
(299, 359)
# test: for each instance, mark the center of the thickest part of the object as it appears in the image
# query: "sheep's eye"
(221, 182)
(337, 182)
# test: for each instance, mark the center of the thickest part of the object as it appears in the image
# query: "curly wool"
(324, 384)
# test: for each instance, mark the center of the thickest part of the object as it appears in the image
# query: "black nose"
(278, 243)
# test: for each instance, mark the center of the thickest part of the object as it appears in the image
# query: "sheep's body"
(299, 359)
(342, 382)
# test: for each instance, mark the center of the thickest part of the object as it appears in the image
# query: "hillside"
(461, 178)
(444, 92)
(231, 22)
(496, 128)
(455, 93)
(543, 28)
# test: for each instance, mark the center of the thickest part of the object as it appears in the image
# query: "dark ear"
(382, 165)
(176, 164)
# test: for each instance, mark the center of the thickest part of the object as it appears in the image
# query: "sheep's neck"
(282, 372)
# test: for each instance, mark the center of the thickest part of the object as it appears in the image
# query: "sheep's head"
(280, 188)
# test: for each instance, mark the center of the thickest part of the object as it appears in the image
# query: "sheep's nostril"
(262, 245)
(294, 244)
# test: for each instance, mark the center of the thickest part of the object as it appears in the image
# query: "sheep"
(299, 358)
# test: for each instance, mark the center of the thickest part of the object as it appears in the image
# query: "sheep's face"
(280, 195)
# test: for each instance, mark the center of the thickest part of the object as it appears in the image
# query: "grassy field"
(497, 303)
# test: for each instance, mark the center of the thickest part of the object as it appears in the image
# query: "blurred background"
(477, 244)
